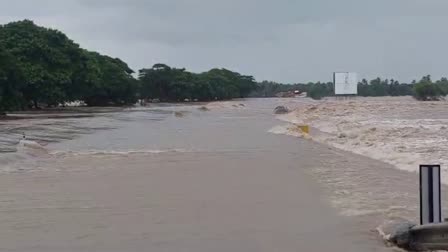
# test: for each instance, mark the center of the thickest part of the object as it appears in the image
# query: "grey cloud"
(284, 40)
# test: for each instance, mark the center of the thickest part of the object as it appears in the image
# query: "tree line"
(43, 67)
(174, 84)
(425, 89)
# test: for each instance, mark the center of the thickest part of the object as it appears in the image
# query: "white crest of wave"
(30, 144)
(399, 131)
(115, 153)
(289, 129)
(31, 148)
(225, 105)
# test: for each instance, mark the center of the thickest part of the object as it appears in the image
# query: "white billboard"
(345, 83)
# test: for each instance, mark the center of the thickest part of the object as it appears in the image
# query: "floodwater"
(181, 178)
(396, 130)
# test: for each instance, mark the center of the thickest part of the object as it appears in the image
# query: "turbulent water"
(219, 135)
(396, 130)
(158, 129)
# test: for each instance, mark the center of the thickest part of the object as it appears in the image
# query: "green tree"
(11, 80)
(107, 81)
(426, 90)
(157, 81)
(46, 58)
(319, 90)
(174, 84)
(443, 86)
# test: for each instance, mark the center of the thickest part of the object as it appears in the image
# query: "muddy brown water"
(148, 180)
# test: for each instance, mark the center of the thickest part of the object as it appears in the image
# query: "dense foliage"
(102, 80)
(173, 84)
(425, 89)
(40, 66)
(43, 67)
(271, 89)
(11, 79)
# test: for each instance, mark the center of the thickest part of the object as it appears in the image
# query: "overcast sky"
(279, 40)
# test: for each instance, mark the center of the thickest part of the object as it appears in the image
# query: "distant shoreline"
(57, 113)
(46, 116)
(81, 111)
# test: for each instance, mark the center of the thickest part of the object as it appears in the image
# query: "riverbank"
(86, 111)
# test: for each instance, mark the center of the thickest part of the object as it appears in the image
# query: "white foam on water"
(289, 129)
(31, 149)
(387, 228)
(24, 156)
(30, 145)
(398, 131)
(26, 159)
(225, 105)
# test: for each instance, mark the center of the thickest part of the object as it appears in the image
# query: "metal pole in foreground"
(430, 195)
(431, 234)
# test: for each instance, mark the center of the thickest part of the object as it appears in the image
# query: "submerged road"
(252, 192)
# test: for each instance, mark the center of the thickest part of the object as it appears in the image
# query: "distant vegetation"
(174, 84)
(42, 67)
(425, 89)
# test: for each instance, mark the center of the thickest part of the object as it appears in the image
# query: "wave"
(392, 229)
(371, 191)
(31, 145)
(25, 151)
(115, 153)
(225, 105)
(289, 129)
(398, 131)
